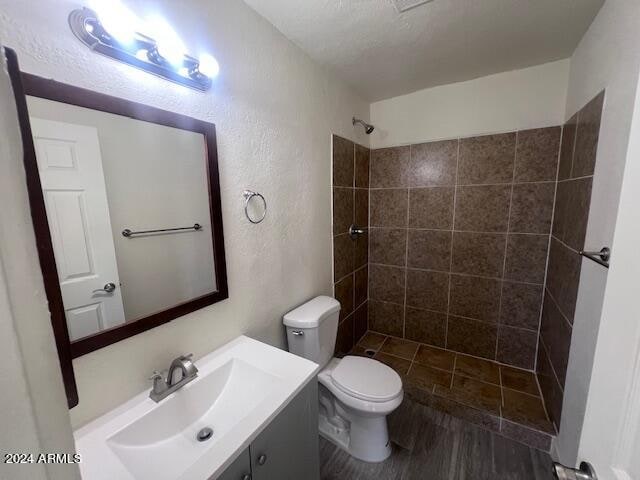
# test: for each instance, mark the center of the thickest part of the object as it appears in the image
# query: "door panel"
(288, 448)
(238, 470)
(70, 167)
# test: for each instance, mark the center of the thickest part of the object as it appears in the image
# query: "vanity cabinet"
(287, 449)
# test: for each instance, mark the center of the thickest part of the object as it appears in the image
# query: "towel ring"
(248, 195)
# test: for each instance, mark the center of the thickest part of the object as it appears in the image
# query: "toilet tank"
(312, 329)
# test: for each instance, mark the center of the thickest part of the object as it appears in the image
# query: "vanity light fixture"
(114, 34)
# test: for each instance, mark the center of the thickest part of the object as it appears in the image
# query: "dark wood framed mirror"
(125, 203)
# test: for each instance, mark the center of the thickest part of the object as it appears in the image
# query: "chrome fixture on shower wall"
(368, 128)
(114, 33)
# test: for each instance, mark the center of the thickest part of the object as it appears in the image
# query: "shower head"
(367, 128)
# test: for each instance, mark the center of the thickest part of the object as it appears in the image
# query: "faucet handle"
(156, 375)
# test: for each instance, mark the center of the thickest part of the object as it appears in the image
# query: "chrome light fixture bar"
(142, 52)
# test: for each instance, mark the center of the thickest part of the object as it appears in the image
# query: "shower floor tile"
(497, 397)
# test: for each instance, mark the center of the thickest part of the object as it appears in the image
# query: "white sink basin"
(240, 388)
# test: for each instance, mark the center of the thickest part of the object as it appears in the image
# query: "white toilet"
(356, 393)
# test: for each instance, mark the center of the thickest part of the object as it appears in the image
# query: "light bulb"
(142, 54)
(119, 22)
(169, 45)
(208, 66)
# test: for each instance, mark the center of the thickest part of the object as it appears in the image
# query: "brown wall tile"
(389, 167)
(475, 297)
(517, 347)
(482, 208)
(478, 253)
(386, 283)
(343, 154)
(342, 209)
(362, 167)
(532, 208)
(426, 327)
(361, 250)
(521, 305)
(560, 209)
(344, 294)
(344, 338)
(427, 290)
(552, 392)
(526, 258)
(429, 249)
(577, 213)
(343, 256)
(387, 318)
(472, 337)
(360, 322)
(361, 207)
(566, 150)
(433, 163)
(563, 277)
(587, 136)
(537, 154)
(388, 246)
(556, 335)
(360, 285)
(389, 208)
(431, 208)
(487, 159)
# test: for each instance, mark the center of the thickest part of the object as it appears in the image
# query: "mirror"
(125, 202)
(106, 180)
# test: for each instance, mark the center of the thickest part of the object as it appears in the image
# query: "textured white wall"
(274, 111)
(529, 98)
(33, 408)
(608, 58)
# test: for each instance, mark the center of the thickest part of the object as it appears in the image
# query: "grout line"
(584, 177)
(451, 185)
(506, 280)
(546, 268)
(444, 230)
(575, 140)
(506, 244)
(453, 372)
(565, 245)
(566, 318)
(453, 226)
(406, 258)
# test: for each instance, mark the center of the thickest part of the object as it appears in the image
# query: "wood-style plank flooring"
(430, 445)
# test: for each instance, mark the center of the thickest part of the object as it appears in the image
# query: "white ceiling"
(382, 53)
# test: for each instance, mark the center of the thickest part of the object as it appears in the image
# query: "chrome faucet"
(162, 388)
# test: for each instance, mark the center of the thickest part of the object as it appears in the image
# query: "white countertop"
(286, 374)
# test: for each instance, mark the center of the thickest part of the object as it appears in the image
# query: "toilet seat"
(366, 379)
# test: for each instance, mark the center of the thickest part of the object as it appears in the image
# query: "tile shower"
(459, 233)
(350, 207)
(460, 300)
(573, 198)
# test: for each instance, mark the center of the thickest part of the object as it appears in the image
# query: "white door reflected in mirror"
(71, 174)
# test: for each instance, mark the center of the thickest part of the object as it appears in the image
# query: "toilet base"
(364, 438)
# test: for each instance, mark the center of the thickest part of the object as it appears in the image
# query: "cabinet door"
(288, 448)
(238, 470)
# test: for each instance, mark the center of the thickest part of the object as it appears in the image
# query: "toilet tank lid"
(312, 313)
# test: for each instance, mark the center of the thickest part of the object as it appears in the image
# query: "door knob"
(108, 288)
(262, 459)
(585, 472)
(246, 476)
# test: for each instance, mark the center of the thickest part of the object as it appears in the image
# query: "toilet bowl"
(355, 393)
